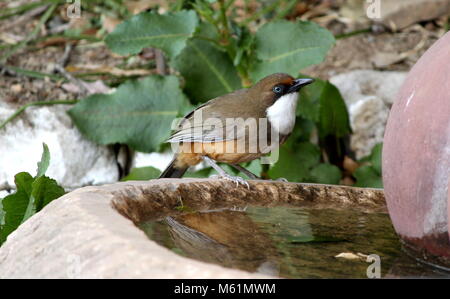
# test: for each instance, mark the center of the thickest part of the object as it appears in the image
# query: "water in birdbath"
(290, 242)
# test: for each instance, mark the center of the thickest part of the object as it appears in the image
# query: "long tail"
(172, 171)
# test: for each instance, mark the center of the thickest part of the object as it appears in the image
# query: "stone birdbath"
(92, 232)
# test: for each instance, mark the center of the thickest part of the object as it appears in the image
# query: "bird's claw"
(238, 209)
(282, 180)
(235, 179)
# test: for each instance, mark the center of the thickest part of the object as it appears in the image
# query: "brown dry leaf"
(350, 165)
(384, 59)
(16, 88)
(352, 256)
(10, 38)
(126, 73)
(316, 11)
(107, 69)
(347, 181)
(53, 41)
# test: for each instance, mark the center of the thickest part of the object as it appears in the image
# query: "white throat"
(282, 113)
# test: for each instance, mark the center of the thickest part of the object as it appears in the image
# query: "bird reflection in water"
(227, 237)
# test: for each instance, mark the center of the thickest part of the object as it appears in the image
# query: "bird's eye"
(278, 89)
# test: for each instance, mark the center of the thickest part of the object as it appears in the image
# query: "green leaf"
(142, 174)
(326, 174)
(167, 32)
(366, 176)
(2, 214)
(44, 191)
(295, 161)
(31, 196)
(375, 158)
(322, 103)
(139, 113)
(202, 173)
(333, 114)
(207, 70)
(287, 47)
(309, 100)
(15, 205)
(45, 161)
(254, 167)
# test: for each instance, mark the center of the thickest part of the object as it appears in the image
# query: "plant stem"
(356, 32)
(228, 4)
(24, 107)
(223, 17)
(32, 74)
(33, 34)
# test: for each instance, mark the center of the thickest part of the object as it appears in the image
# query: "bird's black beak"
(299, 83)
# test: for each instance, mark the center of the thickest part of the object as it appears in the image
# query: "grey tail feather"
(172, 171)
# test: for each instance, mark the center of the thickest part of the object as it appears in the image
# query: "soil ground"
(90, 60)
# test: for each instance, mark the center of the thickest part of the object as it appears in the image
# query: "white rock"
(4, 193)
(368, 119)
(369, 96)
(75, 161)
(157, 160)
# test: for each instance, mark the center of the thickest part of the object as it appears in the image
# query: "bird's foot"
(282, 180)
(235, 179)
(238, 209)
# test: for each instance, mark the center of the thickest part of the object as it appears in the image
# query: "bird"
(237, 127)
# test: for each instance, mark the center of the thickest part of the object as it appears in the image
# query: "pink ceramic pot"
(416, 157)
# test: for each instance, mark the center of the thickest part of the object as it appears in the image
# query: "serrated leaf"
(287, 47)
(333, 114)
(295, 161)
(31, 196)
(142, 174)
(167, 32)
(15, 205)
(207, 70)
(44, 191)
(325, 173)
(367, 177)
(139, 113)
(45, 161)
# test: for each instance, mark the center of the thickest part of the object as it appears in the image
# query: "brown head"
(272, 87)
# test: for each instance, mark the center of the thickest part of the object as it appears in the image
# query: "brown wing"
(208, 122)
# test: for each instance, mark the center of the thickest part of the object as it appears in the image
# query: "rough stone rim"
(88, 224)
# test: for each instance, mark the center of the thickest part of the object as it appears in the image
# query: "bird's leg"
(253, 176)
(247, 172)
(223, 174)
